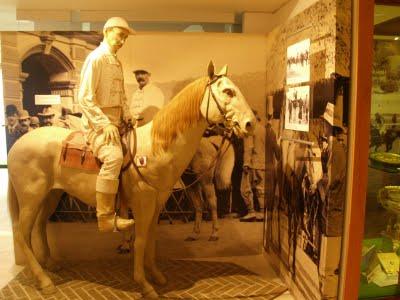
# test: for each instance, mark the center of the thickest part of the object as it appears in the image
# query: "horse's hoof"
(192, 237)
(53, 266)
(150, 294)
(162, 282)
(122, 250)
(213, 239)
(159, 279)
(48, 289)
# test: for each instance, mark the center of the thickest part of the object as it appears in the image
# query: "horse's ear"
(224, 71)
(211, 70)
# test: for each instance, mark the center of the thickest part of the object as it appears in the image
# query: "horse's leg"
(40, 233)
(150, 256)
(125, 246)
(194, 193)
(145, 210)
(31, 204)
(209, 191)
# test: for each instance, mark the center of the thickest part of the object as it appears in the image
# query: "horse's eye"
(229, 92)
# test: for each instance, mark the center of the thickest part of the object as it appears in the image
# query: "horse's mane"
(182, 112)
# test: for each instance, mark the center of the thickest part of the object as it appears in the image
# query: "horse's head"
(224, 103)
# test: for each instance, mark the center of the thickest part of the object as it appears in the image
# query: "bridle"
(228, 125)
(211, 95)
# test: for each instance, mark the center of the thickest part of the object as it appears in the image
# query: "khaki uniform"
(334, 191)
(254, 158)
(103, 102)
(146, 102)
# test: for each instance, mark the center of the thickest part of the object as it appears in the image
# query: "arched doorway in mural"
(46, 74)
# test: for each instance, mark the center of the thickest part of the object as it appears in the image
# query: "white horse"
(210, 163)
(169, 142)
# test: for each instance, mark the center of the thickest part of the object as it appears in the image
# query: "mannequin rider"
(104, 105)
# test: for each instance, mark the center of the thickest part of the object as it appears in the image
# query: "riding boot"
(260, 215)
(261, 204)
(107, 219)
(250, 217)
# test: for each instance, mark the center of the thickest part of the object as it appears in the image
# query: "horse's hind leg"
(42, 252)
(31, 204)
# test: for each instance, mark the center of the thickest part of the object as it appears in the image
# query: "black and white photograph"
(297, 115)
(298, 62)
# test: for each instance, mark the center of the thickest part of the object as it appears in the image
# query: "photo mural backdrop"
(50, 63)
(309, 57)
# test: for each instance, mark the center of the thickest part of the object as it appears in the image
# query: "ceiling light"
(396, 38)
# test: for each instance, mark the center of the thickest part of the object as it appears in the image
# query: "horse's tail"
(13, 203)
(224, 168)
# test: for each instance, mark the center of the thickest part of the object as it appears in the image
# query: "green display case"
(372, 290)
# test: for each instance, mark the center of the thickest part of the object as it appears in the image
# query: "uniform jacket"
(254, 148)
(101, 92)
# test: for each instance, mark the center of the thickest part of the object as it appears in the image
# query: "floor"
(235, 239)
(8, 269)
(201, 254)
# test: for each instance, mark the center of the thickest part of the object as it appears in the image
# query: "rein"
(132, 162)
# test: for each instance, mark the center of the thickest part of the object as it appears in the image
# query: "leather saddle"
(77, 154)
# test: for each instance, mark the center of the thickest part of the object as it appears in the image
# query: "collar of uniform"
(146, 87)
(106, 48)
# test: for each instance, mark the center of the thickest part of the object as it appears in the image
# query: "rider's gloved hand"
(111, 134)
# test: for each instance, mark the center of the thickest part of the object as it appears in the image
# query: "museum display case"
(276, 199)
(380, 245)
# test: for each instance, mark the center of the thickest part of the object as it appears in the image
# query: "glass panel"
(381, 244)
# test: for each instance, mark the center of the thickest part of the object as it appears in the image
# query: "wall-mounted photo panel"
(297, 114)
(298, 62)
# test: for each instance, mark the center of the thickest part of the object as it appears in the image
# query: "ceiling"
(384, 13)
(387, 20)
(226, 6)
(390, 27)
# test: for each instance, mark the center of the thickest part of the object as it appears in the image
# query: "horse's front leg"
(150, 255)
(209, 191)
(194, 194)
(144, 211)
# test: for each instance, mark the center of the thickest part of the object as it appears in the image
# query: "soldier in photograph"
(147, 100)
(253, 176)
